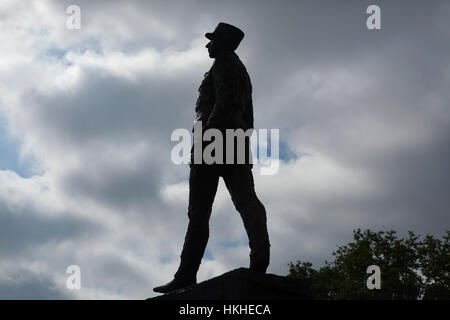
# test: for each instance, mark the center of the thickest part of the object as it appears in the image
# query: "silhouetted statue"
(225, 101)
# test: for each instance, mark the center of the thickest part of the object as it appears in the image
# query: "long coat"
(225, 99)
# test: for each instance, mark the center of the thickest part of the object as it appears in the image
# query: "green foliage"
(410, 268)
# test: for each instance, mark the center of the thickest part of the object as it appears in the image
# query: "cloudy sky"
(86, 117)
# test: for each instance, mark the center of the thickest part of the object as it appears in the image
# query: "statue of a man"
(224, 102)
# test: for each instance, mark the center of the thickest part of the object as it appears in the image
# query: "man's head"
(224, 38)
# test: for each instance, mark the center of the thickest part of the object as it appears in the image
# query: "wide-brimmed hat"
(227, 32)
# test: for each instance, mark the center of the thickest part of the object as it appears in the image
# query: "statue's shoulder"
(228, 64)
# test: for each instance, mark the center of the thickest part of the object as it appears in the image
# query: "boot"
(175, 284)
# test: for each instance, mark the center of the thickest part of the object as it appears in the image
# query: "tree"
(410, 268)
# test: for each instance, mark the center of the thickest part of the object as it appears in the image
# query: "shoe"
(175, 284)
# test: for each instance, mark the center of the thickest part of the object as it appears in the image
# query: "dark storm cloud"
(114, 108)
(406, 67)
(106, 118)
(25, 228)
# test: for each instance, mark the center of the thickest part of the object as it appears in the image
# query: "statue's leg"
(239, 182)
(203, 181)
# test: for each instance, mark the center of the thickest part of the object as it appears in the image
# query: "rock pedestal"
(243, 284)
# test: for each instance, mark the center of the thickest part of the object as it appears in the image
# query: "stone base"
(243, 284)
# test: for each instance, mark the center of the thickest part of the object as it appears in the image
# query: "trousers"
(203, 182)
